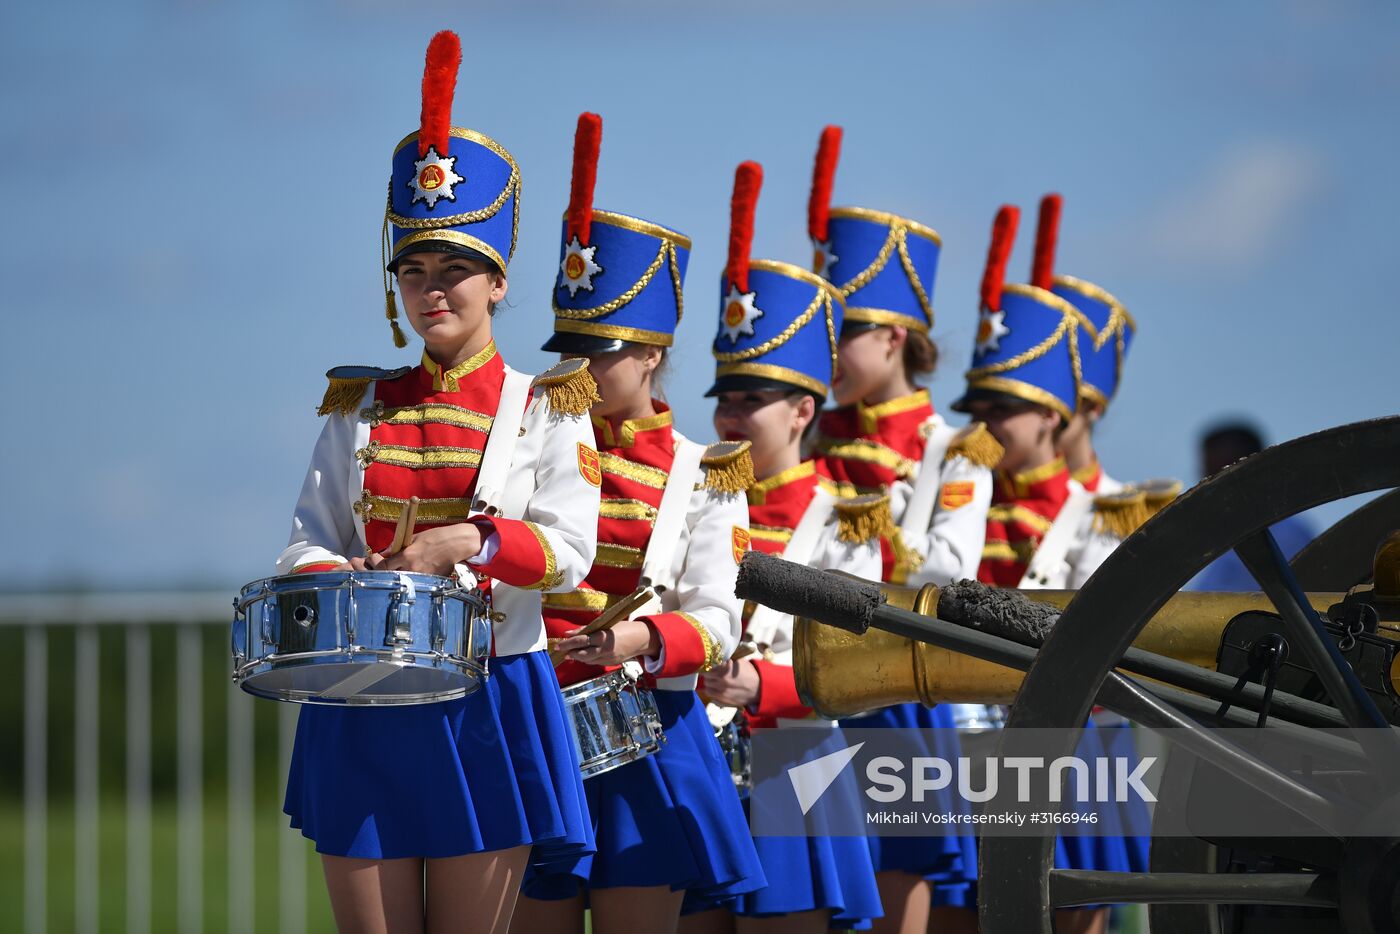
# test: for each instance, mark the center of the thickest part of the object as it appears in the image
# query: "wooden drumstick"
(410, 522)
(743, 650)
(403, 532)
(605, 620)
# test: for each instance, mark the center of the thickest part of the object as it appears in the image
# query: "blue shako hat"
(1106, 328)
(883, 264)
(619, 277)
(1027, 337)
(452, 190)
(778, 323)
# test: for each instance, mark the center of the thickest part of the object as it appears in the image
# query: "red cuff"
(316, 567)
(684, 651)
(777, 693)
(523, 558)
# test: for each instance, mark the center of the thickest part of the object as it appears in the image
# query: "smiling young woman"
(426, 814)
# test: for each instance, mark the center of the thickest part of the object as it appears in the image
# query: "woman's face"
(623, 377)
(771, 420)
(1025, 430)
(866, 360)
(448, 297)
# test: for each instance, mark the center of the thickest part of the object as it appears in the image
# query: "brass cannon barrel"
(841, 674)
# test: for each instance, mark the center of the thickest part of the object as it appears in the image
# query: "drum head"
(361, 683)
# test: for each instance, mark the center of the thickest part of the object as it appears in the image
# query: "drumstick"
(743, 650)
(410, 522)
(406, 519)
(606, 620)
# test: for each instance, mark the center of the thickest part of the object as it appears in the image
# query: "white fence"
(187, 616)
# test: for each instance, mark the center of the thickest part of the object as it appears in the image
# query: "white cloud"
(1248, 200)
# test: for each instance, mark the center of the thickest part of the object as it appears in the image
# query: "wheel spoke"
(1261, 555)
(1203, 712)
(1071, 887)
(1135, 702)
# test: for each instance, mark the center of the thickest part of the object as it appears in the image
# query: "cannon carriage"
(1314, 650)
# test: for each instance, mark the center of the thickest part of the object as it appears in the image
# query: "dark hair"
(1241, 436)
(920, 354)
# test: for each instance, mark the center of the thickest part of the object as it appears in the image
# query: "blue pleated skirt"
(949, 860)
(1072, 851)
(491, 771)
(670, 819)
(806, 873)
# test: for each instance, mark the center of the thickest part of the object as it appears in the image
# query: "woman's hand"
(628, 639)
(355, 564)
(734, 684)
(432, 551)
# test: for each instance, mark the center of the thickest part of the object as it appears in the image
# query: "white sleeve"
(323, 526)
(1090, 550)
(952, 548)
(564, 505)
(704, 591)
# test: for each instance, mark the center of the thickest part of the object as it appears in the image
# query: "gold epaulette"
(864, 518)
(347, 385)
(1119, 514)
(569, 386)
(1158, 493)
(976, 444)
(728, 467)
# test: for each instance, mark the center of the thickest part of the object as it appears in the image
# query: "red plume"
(1003, 236)
(819, 205)
(1047, 233)
(587, 139)
(748, 179)
(439, 84)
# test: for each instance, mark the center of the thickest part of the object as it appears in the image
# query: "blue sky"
(195, 194)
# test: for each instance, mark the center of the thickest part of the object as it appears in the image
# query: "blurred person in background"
(1222, 445)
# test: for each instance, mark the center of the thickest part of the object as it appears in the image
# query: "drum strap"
(1047, 564)
(918, 514)
(500, 444)
(766, 621)
(670, 516)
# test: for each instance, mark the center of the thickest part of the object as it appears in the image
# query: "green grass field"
(269, 824)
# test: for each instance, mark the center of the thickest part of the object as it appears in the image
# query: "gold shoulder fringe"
(1120, 514)
(977, 445)
(343, 395)
(570, 387)
(728, 467)
(1158, 493)
(347, 385)
(864, 518)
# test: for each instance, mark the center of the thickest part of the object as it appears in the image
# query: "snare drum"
(360, 637)
(614, 721)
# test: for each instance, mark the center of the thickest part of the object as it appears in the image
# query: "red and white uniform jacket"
(422, 434)
(1044, 530)
(888, 446)
(776, 507)
(698, 617)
